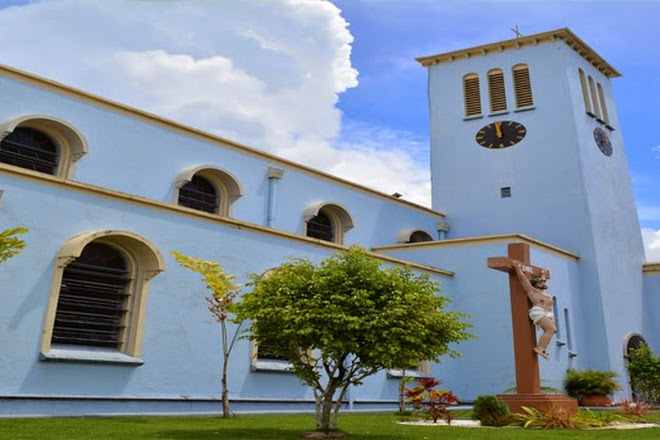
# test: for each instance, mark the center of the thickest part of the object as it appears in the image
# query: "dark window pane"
(93, 297)
(321, 227)
(266, 352)
(31, 149)
(419, 236)
(199, 194)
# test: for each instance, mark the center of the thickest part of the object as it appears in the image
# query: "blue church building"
(96, 317)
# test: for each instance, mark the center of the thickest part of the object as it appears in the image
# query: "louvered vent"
(585, 92)
(505, 192)
(522, 86)
(594, 99)
(472, 95)
(496, 90)
(603, 107)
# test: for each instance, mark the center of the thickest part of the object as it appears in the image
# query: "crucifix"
(528, 381)
(517, 32)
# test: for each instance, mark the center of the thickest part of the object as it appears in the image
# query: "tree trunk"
(324, 412)
(225, 361)
(338, 404)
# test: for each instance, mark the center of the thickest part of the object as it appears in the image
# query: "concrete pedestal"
(542, 402)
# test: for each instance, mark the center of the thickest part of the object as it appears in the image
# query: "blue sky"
(392, 90)
(333, 85)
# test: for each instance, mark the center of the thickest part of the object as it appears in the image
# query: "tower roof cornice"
(563, 34)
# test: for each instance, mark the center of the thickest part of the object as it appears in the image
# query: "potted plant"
(591, 387)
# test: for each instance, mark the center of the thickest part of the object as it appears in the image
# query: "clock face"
(501, 134)
(603, 141)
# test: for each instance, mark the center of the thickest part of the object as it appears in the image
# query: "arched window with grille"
(472, 95)
(419, 236)
(594, 99)
(585, 92)
(327, 221)
(41, 143)
(603, 106)
(30, 149)
(321, 227)
(92, 305)
(207, 188)
(99, 297)
(522, 86)
(496, 90)
(200, 194)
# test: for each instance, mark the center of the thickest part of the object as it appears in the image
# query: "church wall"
(618, 249)
(132, 155)
(651, 323)
(181, 348)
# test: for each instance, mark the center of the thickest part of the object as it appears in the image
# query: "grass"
(359, 427)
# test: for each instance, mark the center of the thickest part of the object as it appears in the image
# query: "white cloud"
(656, 152)
(651, 240)
(264, 73)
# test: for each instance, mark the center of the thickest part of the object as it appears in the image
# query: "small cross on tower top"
(517, 32)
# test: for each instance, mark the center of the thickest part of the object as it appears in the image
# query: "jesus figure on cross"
(541, 311)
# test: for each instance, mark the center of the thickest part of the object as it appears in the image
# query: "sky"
(330, 84)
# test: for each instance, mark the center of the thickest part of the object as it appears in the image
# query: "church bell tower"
(525, 139)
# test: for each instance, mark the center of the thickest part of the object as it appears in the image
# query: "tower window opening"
(496, 90)
(472, 95)
(522, 86)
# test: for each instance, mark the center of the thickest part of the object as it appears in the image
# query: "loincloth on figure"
(537, 313)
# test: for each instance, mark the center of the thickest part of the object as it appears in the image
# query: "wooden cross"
(517, 32)
(528, 380)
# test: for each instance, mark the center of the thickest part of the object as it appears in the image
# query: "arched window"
(634, 342)
(207, 188)
(594, 99)
(603, 107)
(99, 296)
(199, 194)
(585, 92)
(41, 143)
(413, 236)
(472, 94)
(420, 236)
(327, 221)
(31, 149)
(92, 302)
(496, 90)
(321, 227)
(522, 86)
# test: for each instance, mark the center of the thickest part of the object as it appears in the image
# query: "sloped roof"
(563, 34)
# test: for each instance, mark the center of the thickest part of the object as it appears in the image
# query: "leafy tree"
(9, 244)
(644, 370)
(345, 319)
(221, 304)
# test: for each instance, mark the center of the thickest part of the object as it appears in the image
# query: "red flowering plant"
(431, 401)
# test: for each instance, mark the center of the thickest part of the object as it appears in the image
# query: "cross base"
(542, 402)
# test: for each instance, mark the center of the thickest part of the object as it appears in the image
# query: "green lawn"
(359, 427)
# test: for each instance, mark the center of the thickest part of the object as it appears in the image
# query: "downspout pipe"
(443, 228)
(274, 174)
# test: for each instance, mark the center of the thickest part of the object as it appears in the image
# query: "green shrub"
(590, 383)
(644, 370)
(490, 411)
(551, 418)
